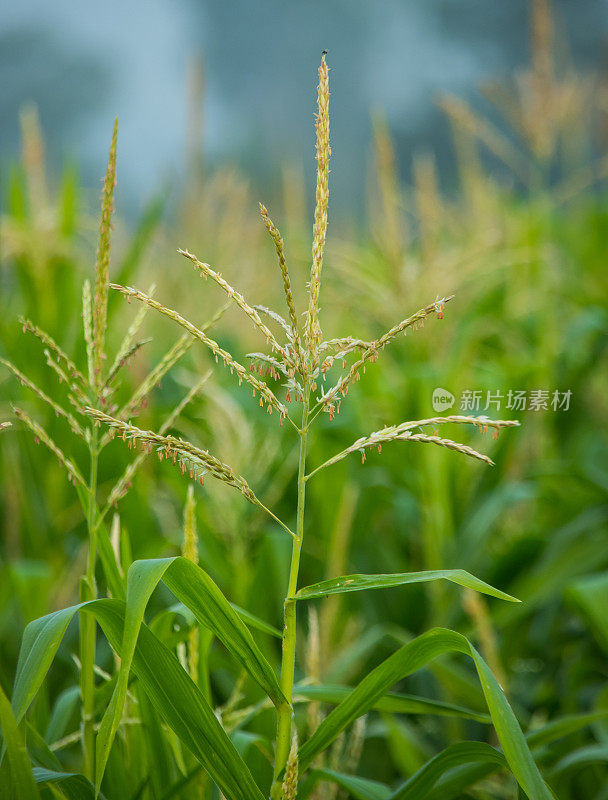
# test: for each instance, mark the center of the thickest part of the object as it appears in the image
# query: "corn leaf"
(356, 583)
(391, 703)
(583, 757)
(357, 788)
(255, 622)
(156, 746)
(468, 766)
(457, 755)
(198, 592)
(71, 785)
(17, 766)
(169, 688)
(40, 642)
(63, 711)
(408, 659)
(251, 620)
(557, 729)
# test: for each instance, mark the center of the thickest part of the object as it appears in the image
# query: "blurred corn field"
(520, 241)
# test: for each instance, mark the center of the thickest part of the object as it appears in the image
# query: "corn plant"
(98, 382)
(296, 379)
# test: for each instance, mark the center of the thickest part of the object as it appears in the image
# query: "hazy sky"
(84, 62)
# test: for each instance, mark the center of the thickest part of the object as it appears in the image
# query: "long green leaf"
(249, 619)
(156, 745)
(583, 757)
(39, 751)
(198, 592)
(465, 775)
(255, 622)
(41, 639)
(71, 785)
(357, 788)
(456, 755)
(391, 702)
(17, 765)
(357, 583)
(558, 728)
(452, 785)
(63, 711)
(413, 656)
(174, 695)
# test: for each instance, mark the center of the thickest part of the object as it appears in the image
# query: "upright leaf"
(20, 781)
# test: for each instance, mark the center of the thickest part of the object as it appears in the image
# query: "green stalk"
(88, 591)
(285, 713)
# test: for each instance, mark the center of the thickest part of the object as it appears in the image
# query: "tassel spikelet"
(171, 357)
(313, 328)
(78, 398)
(372, 351)
(126, 346)
(278, 243)
(154, 377)
(122, 485)
(276, 317)
(52, 345)
(238, 298)
(4, 426)
(117, 365)
(289, 788)
(190, 551)
(404, 432)
(183, 453)
(102, 267)
(229, 361)
(59, 410)
(87, 323)
(42, 436)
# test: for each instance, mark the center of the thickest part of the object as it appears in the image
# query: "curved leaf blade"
(72, 785)
(357, 788)
(200, 594)
(392, 702)
(456, 755)
(357, 583)
(558, 728)
(41, 640)
(171, 690)
(181, 704)
(408, 659)
(17, 763)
